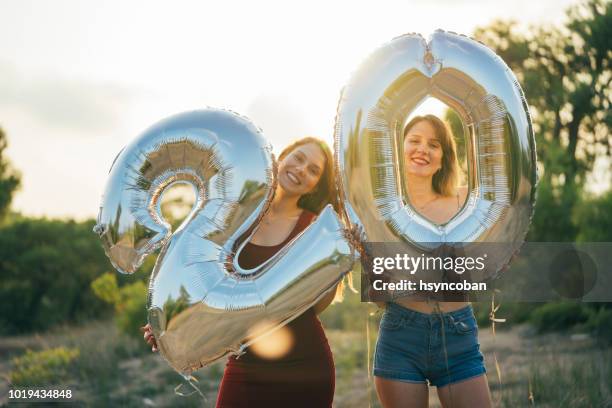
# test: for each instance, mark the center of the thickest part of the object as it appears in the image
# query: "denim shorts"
(439, 348)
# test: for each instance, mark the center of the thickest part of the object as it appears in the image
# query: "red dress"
(303, 377)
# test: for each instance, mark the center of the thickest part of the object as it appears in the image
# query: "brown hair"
(445, 180)
(325, 191)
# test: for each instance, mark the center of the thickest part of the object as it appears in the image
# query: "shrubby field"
(66, 318)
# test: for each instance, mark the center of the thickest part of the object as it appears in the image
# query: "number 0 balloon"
(477, 84)
(202, 305)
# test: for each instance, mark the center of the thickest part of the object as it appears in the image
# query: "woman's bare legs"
(398, 394)
(472, 393)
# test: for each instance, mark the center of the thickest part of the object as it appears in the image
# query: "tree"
(9, 178)
(566, 75)
(595, 219)
(46, 268)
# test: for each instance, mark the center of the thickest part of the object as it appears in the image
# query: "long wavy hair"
(445, 180)
(325, 191)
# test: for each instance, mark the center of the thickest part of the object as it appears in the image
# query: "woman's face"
(422, 150)
(300, 171)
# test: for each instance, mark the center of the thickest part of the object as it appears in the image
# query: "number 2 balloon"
(202, 305)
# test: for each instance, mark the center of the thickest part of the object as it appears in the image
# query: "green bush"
(129, 301)
(46, 267)
(41, 368)
(594, 218)
(349, 313)
(600, 324)
(513, 312)
(105, 287)
(558, 316)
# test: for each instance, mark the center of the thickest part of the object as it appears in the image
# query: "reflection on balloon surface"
(500, 146)
(202, 305)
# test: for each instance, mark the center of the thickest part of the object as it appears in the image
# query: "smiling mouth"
(294, 179)
(420, 161)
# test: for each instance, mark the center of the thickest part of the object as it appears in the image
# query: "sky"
(80, 79)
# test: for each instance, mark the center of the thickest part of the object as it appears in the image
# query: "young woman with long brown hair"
(304, 375)
(424, 342)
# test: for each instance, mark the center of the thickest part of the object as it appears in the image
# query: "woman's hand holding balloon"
(149, 337)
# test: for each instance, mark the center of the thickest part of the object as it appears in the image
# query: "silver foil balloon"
(501, 155)
(202, 305)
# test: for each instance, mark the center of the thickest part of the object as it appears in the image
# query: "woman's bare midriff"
(430, 307)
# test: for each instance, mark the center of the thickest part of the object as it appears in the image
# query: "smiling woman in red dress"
(293, 366)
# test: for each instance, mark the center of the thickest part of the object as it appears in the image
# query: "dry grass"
(112, 370)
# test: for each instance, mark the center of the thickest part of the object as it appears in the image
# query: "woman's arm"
(325, 301)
